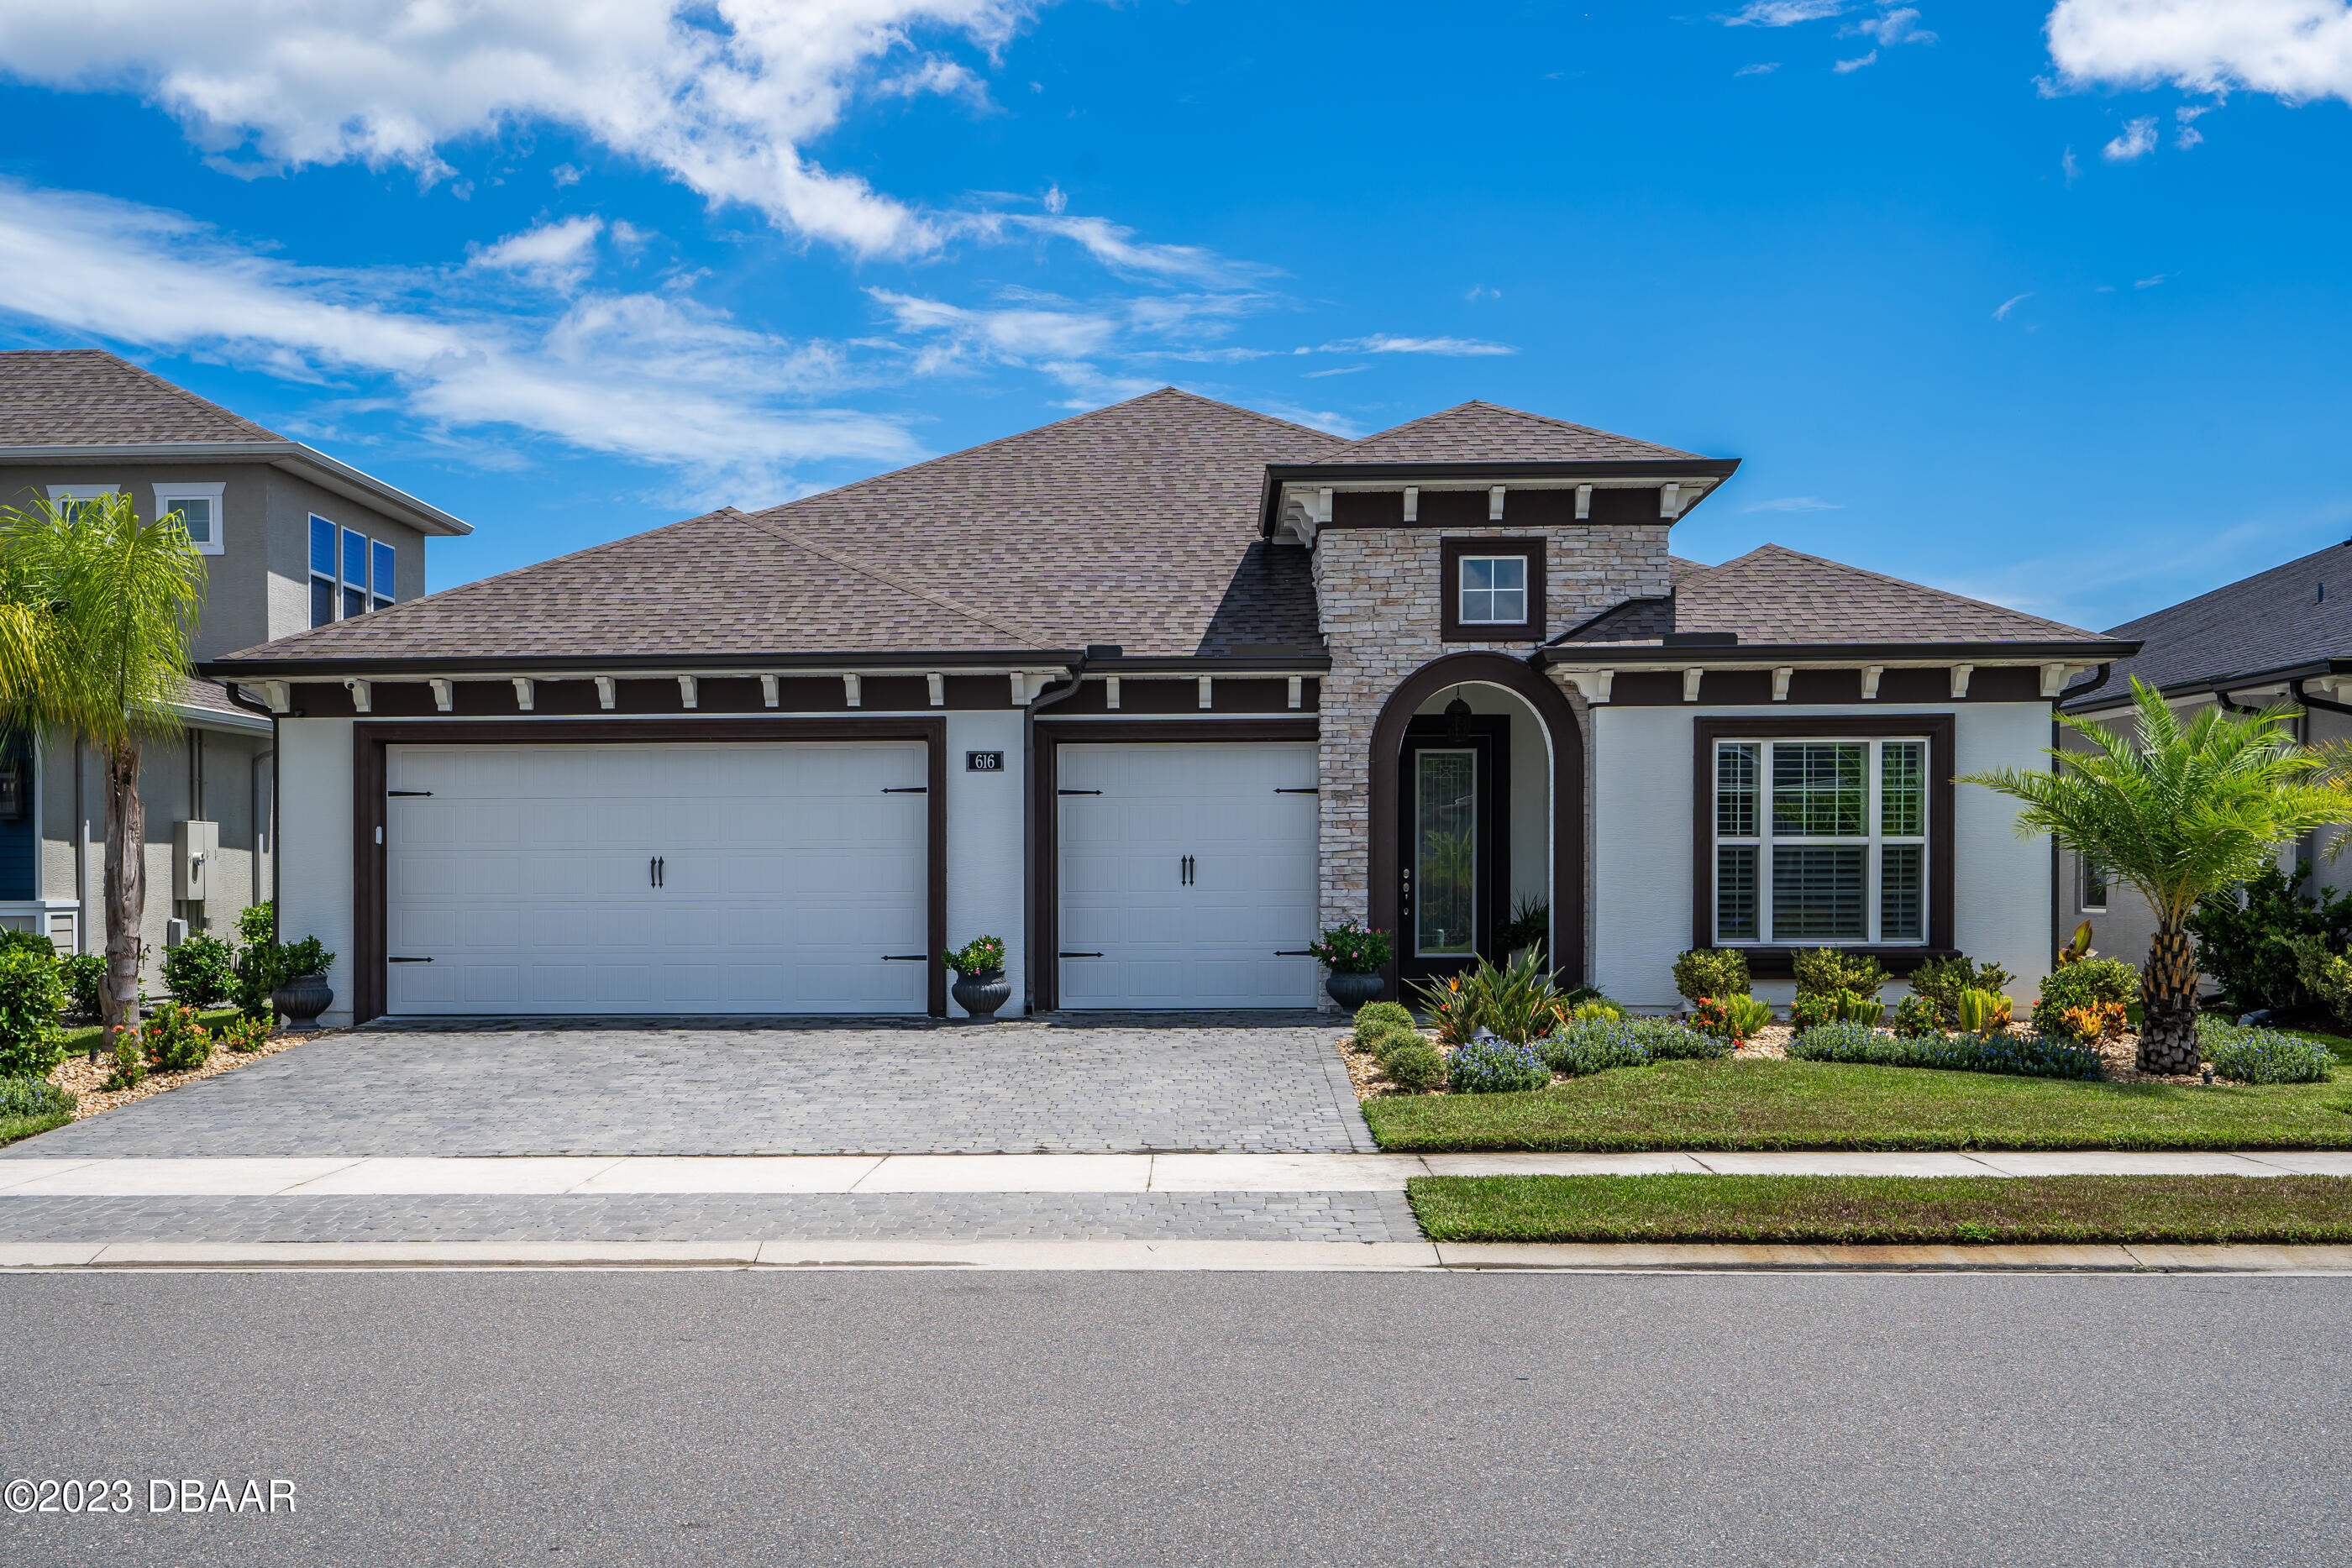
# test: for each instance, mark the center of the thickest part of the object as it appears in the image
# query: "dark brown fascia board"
(1278, 473)
(1623, 654)
(1284, 664)
(293, 456)
(233, 668)
(2202, 684)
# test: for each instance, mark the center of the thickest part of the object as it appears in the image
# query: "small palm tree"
(2179, 812)
(95, 615)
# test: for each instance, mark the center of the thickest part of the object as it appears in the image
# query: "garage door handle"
(1077, 791)
(906, 957)
(907, 790)
(1081, 955)
(1294, 952)
(397, 959)
(408, 791)
(1301, 789)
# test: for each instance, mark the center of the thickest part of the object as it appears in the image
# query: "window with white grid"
(1821, 842)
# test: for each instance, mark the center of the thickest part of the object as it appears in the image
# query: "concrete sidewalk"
(387, 1176)
(1180, 1255)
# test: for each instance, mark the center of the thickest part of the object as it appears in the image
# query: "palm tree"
(2179, 811)
(96, 614)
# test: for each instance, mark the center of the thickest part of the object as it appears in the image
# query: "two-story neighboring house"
(1154, 694)
(292, 540)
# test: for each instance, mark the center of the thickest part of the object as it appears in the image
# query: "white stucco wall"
(1642, 850)
(314, 836)
(987, 860)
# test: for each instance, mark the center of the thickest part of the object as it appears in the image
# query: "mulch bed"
(79, 1074)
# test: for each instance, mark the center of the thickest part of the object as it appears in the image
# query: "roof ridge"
(1906, 582)
(169, 387)
(793, 537)
(1480, 406)
(2240, 584)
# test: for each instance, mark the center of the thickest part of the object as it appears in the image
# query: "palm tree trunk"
(126, 889)
(2167, 1001)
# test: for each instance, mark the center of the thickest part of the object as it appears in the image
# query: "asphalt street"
(905, 1418)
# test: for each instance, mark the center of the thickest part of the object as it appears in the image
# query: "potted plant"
(1355, 955)
(301, 993)
(980, 985)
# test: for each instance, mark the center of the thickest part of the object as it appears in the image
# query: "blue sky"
(2047, 305)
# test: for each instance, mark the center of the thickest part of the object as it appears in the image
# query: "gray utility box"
(194, 847)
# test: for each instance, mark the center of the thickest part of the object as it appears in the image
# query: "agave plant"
(1519, 1003)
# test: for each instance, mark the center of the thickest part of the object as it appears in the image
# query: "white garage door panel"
(788, 875)
(1211, 944)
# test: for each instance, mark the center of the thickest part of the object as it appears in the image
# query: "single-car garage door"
(1187, 874)
(665, 878)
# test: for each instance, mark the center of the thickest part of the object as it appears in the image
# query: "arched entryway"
(1472, 753)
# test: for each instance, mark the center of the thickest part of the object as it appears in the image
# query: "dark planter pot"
(301, 1002)
(1352, 991)
(981, 995)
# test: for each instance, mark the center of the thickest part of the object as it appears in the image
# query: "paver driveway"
(1248, 1083)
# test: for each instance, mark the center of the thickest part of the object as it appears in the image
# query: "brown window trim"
(1045, 975)
(1777, 963)
(1450, 552)
(370, 886)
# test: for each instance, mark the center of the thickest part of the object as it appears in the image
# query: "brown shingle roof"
(1775, 595)
(86, 397)
(1489, 432)
(2274, 619)
(1135, 524)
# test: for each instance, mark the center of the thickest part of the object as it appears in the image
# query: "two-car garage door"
(671, 878)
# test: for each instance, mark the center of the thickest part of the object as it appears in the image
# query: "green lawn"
(1763, 1104)
(82, 1041)
(13, 1128)
(1862, 1209)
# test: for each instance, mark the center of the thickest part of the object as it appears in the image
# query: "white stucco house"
(1156, 693)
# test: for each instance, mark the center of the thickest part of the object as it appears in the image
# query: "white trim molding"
(196, 490)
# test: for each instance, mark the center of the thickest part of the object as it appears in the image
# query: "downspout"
(2057, 733)
(252, 815)
(81, 845)
(277, 862)
(1029, 828)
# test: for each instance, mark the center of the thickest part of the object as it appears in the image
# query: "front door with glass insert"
(1451, 861)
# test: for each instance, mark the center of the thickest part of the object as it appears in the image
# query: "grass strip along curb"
(2184, 1210)
(1742, 1104)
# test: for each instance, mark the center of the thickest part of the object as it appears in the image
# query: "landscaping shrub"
(33, 1097)
(244, 1033)
(1599, 1007)
(2089, 1024)
(1982, 1012)
(980, 955)
(1825, 971)
(1814, 1009)
(130, 1067)
(31, 998)
(1857, 1007)
(200, 971)
(1602, 1043)
(1381, 1036)
(1915, 1017)
(1411, 1063)
(1941, 981)
(1371, 1013)
(2086, 983)
(32, 942)
(1705, 972)
(175, 1041)
(1351, 947)
(1732, 1019)
(84, 974)
(1496, 1067)
(1519, 1003)
(2027, 1057)
(2261, 1055)
(2245, 937)
(2327, 975)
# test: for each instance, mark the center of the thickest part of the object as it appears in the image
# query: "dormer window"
(1494, 590)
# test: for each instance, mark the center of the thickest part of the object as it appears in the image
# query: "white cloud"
(649, 377)
(1795, 504)
(1782, 13)
(1891, 27)
(1338, 425)
(1381, 343)
(2151, 282)
(2073, 169)
(560, 255)
(1335, 371)
(1846, 68)
(2137, 138)
(1020, 335)
(2293, 49)
(1118, 248)
(2010, 304)
(722, 94)
(1766, 69)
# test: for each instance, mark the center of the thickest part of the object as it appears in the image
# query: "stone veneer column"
(1378, 595)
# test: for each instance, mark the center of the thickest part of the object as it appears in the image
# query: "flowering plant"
(1352, 948)
(980, 955)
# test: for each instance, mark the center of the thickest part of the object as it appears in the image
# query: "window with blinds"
(1820, 841)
